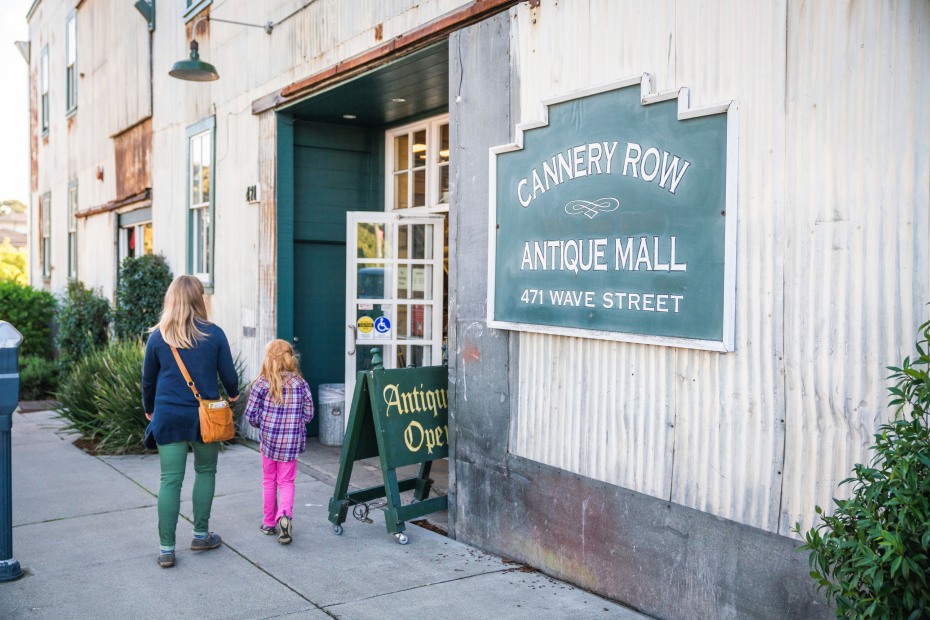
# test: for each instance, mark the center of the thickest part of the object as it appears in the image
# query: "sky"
(14, 102)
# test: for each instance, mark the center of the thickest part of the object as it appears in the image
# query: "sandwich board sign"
(614, 217)
(400, 416)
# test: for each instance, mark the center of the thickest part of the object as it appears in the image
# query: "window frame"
(193, 8)
(71, 74)
(45, 235)
(72, 230)
(44, 115)
(206, 126)
(433, 165)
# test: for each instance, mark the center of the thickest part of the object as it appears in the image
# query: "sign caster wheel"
(337, 529)
(402, 538)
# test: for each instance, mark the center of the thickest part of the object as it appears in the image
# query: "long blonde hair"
(184, 307)
(279, 358)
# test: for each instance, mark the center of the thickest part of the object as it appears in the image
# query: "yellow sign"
(365, 324)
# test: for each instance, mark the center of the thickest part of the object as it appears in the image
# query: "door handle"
(352, 327)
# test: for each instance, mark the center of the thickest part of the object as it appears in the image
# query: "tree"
(12, 206)
(12, 263)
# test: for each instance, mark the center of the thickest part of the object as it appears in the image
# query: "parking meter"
(10, 339)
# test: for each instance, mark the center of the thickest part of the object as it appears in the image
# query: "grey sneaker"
(285, 524)
(212, 541)
(166, 560)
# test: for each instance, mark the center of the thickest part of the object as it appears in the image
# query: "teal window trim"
(71, 72)
(72, 229)
(44, 96)
(194, 7)
(45, 235)
(207, 124)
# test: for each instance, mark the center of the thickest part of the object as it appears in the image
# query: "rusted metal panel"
(133, 151)
(831, 277)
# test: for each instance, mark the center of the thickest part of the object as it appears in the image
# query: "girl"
(280, 406)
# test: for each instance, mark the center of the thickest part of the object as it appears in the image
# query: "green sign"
(402, 417)
(615, 218)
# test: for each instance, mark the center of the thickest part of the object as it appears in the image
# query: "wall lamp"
(195, 70)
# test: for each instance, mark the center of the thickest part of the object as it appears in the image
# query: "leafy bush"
(31, 312)
(101, 397)
(872, 555)
(143, 282)
(83, 323)
(38, 378)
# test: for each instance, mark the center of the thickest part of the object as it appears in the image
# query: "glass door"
(394, 292)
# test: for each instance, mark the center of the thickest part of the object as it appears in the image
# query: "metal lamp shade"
(194, 70)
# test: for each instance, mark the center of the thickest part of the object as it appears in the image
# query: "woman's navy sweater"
(165, 394)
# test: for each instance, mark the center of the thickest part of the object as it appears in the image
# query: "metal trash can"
(10, 339)
(331, 413)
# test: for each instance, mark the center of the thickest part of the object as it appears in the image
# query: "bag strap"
(187, 376)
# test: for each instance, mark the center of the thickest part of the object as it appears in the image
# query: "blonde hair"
(184, 307)
(279, 358)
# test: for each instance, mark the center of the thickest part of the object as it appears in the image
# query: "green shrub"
(31, 312)
(83, 323)
(872, 555)
(101, 397)
(140, 293)
(38, 378)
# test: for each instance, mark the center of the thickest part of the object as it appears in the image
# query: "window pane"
(372, 241)
(421, 282)
(147, 247)
(403, 281)
(419, 188)
(402, 319)
(444, 143)
(206, 239)
(419, 324)
(207, 161)
(196, 173)
(71, 40)
(401, 200)
(422, 234)
(403, 241)
(443, 197)
(370, 281)
(419, 148)
(401, 153)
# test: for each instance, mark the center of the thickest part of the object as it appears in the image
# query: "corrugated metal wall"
(832, 265)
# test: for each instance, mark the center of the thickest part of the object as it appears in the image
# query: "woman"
(172, 410)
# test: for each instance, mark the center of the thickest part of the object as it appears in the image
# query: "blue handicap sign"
(382, 325)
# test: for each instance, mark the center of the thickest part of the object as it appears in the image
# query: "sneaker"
(166, 559)
(284, 522)
(212, 541)
(269, 530)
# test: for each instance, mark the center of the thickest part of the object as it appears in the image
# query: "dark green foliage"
(872, 555)
(31, 312)
(38, 378)
(83, 324)
(101, 397)
(143, 282)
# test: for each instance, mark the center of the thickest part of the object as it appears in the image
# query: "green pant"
(173, 459)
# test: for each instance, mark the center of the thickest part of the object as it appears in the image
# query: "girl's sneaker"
(269, 530)
(284, 522)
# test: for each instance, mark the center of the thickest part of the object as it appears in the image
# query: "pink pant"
(278, 476)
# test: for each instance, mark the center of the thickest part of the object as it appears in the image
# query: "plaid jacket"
(281, 426)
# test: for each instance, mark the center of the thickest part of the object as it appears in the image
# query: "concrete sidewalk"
(84, 530)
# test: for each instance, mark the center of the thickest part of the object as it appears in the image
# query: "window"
(200, 199)
(71, 63)
(135, 240)
(194, 7)
(418, 166)
(72, 230)
(45, 216)
(43, 87)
